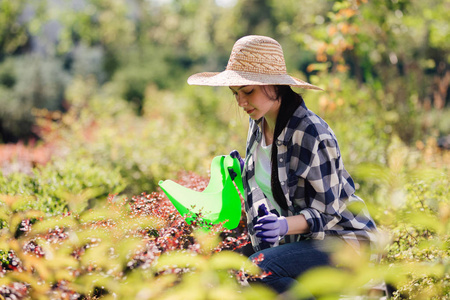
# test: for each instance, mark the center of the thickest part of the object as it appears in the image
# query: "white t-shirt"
(263, 170)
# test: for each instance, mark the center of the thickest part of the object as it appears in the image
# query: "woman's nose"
(241, 102)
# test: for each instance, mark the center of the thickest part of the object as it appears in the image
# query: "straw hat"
(254, 60)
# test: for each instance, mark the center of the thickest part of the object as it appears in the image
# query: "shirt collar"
(287, 133)
(259, 131)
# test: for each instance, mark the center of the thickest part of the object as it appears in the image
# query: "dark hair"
(290, 101)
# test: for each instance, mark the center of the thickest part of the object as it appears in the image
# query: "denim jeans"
(288, 261)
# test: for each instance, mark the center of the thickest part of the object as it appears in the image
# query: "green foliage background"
(103, 84)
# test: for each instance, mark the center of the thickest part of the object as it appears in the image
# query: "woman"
(298, 195)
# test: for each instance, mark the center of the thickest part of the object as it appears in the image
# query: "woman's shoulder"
(311, 125)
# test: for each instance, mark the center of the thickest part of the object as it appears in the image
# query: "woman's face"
(257, 101)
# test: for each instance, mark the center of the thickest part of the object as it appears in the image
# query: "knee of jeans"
(256, 258)
(260, 260)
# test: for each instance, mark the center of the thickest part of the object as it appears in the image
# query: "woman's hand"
(235, 154)
(271, 228)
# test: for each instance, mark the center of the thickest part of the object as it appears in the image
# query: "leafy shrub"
(412, 208)
(62, 185)
(28, 82)
(128, 248)
(362, 126)
(22, 158)
(145, 149)
(421, 235)
(148, 65)
(87, 61)
(141, 247)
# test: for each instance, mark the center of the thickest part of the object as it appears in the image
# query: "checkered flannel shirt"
(314, 182)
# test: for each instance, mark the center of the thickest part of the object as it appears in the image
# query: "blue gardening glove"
(270, 228)
(235, 154)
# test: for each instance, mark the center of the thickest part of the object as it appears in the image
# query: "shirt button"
(279, 143)
(282, 183)
(281, 160)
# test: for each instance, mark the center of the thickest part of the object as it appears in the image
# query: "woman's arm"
(323, 184)
(297, 225)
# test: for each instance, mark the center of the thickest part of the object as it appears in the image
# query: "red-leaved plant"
(170, 232)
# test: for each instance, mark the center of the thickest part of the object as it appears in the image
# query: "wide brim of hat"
(240, 78)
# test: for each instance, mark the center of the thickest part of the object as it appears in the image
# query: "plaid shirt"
(314, 182)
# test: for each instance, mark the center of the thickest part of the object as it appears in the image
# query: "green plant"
(145, 149)
(28, 82)
(127, 248)
(63, 185)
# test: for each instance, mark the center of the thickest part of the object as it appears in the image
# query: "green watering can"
(219, 202)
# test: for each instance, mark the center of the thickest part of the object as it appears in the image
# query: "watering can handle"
(235, 154)
(236, 173)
